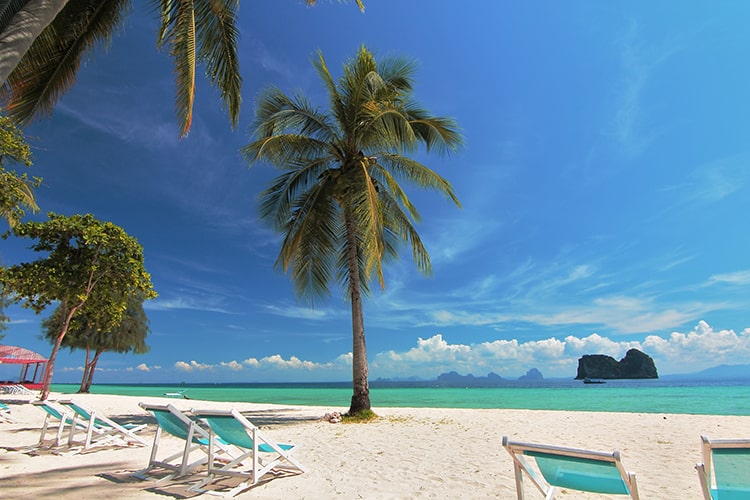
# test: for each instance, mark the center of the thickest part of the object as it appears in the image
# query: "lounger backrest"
(583, 474)
(83, 412)
(230, 430)
(50, 409)
(732, 468)
(170, 423)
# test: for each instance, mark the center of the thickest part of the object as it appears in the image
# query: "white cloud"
(232, 365)
(143, 367)
(678, 353)
(211, 305)
(738, 278)
(193, 365)
(701, 348)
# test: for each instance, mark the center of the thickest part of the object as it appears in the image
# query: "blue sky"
(605, 188)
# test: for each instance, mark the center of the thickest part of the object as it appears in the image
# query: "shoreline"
(406, 453)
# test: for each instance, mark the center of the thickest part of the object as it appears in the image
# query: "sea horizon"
(665, 395)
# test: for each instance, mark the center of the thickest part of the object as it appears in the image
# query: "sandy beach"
(406, 453)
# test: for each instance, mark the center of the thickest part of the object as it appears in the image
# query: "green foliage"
(16, 191)
(194, 32)
(83, 255)
(87, 262)
(342, 171)
(84, 332)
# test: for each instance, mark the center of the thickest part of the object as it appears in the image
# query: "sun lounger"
(260, 455)
(552, 467)
(725, 471)
(101, 430)
(5, 415)
(176, 423)
(55, 416)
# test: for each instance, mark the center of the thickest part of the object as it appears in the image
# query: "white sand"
(406, 453)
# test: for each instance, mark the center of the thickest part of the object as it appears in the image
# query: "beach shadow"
(55, 483)
(278, 417)
(174, 488)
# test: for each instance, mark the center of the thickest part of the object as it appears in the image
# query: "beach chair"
(174, 422)
(552, 467)
(101, 430)
(55, 416)
(260, 455)
(5, 415)
(725, 471)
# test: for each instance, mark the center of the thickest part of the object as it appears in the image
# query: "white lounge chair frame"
(186, 429)
(261, 457)
(522, 465)
(706, 469)
(99, 429)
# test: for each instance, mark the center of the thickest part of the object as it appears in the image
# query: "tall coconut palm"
(35, 75)
(339, 205)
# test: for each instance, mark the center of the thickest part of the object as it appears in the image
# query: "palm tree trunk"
(360, 384)
(24, 27)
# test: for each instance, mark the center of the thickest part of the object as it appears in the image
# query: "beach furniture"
(260, 455)
(5, 415)
(176, 423)
(552, 467)
(55, 421)
(725, 471)
(101, 430)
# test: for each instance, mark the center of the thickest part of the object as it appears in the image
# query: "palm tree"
(339, 205)
(42, 43)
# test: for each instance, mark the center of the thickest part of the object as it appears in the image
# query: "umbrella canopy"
(10, 354)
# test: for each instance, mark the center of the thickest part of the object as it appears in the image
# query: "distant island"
(635, 365)
(454, 379)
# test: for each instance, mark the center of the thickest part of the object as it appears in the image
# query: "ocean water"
(644, 396)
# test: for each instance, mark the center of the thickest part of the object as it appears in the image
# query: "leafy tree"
(16, 191)
(339, 205)
(84, 333)
(42, 46)
(86, 261)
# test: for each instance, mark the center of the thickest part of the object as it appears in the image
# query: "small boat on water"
(593, 381)
(178, 394)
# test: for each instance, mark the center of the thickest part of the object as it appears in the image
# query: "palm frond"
(308, 249)
(181, 39)
(337, 105)
(416, 173)
(339, 203)
(218, 38)
(49, 68)
(278, 200)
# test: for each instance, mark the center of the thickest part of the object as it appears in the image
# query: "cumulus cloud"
(232, 365)
(701, 348)
(192, 366)
(143, 367)
(679, 352)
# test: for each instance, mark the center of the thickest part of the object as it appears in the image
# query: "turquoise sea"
(649, 396)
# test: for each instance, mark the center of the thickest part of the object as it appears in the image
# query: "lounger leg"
(518, 473)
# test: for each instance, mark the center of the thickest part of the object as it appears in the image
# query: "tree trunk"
(360, 385)
(92, 369)
(47, 381)
(24, 28)
(86, 367)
